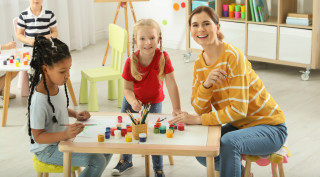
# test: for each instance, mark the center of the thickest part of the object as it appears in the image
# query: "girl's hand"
(176, 112)
(186, 118)
(10, 45)
(83, 115)
(74, 129)
(136, 105)
(215, 77)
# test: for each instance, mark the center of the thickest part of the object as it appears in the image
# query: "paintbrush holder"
(139, 128)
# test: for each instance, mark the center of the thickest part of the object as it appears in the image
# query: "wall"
(173, 32)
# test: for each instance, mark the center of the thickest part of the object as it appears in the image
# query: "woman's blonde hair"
(134, 59)
(212, 14)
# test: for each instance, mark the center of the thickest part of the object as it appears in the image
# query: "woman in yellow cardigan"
(227, 91)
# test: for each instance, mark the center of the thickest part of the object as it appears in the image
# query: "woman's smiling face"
(203, 30)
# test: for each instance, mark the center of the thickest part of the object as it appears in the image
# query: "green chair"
(118, 42)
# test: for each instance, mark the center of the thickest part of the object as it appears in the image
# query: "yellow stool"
(43, 169)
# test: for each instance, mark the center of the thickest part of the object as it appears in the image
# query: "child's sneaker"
(121, 167)
(159, 173)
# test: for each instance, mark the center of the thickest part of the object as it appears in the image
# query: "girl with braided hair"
(143, 75)
(48, 108)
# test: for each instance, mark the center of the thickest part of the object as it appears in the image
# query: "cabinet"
(272, 41)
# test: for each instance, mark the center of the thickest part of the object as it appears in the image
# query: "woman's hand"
(136, 105)
(215, 77)
(186, 118)
(83, 115)
(74, 129)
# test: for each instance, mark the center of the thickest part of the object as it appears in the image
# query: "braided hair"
(134, 59)
(45, 52)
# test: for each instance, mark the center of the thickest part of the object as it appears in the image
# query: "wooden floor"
(299, 99)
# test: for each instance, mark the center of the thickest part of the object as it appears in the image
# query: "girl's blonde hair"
(134, 59)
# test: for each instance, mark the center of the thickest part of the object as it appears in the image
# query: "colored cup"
(243, 8)
(225, 13)
(119, 119)
(25, 62)
(225, 7)
(128, 137)
(117, 134)
(243, 15)
(231, 14)
(4, 62)
(142, 137)
(100, 138)
(17, 64)
(129, 128)
(112, 131)
(123, 132)
(237, 8)
(181, 126)
(163, 129)
(107, 135)
(237, 14)
(231, 8)
(169, 133)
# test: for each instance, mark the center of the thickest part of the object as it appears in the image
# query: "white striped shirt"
(36, 25)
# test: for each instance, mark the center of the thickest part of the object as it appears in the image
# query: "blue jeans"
(257, 140)
(157, 160)
(94, 163)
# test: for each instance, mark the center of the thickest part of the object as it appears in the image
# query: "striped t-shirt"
(36, 25)
(242, 100)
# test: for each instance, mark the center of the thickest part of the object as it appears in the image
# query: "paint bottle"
(129, 128)
(142, 137)
(112, 131)
(169, 133)
(100, 138)
(123, 132)
(181, 126)
(119, 119)
(117, 134)
(107, 135)
(163, 129)
(128, 137)
(119, 126)
(156, 129)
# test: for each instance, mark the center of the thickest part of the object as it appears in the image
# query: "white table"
(185, 144)
(10, 68)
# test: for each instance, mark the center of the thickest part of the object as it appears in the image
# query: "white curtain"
(75, 18)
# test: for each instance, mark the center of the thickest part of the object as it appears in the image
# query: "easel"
(124, 5)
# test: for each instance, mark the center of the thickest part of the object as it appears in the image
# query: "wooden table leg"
(126, 18)
(147, 164)
(73, 97)
(6, 98)
(171, 160)
(210, 166)
(108, 45)
(66, 164)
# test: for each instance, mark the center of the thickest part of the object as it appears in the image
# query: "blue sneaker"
(121, 167)
(159, 173)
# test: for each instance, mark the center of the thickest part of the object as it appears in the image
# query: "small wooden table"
(124, 5)
(10, 69)
(210, 150)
